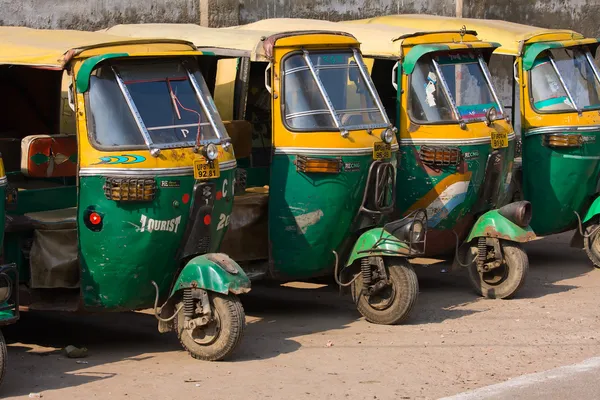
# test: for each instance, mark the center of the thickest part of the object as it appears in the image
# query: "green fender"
(214, 272)
(592, 211)
(492, 224)
(377, 242)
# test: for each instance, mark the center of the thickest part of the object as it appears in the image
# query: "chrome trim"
(561, 129)
(133, 108)
(329, 151)
(447, 91)
(306, 113)
(203, 104)
(452, 142)
(562, 82)
(367, 78)
(178, 171)
(488, 78)
(313, 72)
(155, 128)
(590, 60)
(3, 181)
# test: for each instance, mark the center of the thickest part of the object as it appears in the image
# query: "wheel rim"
(207, 334)
(495, 276)
(595, 243)
(383, 299)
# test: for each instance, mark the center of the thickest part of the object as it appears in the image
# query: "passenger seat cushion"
(45, 156)
(64, 218)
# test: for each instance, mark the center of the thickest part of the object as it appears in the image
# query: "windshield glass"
(163, 99)
(573, 66)
(467, 87)
(344, 86)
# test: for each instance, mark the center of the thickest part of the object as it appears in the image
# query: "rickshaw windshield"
(162, 104)
(565, 80)
(325, 90)
(449, 87)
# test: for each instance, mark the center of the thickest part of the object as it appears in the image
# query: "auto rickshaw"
(456, 146)
(9, 281)
(125, 213)
(316, 156)
(555, 100)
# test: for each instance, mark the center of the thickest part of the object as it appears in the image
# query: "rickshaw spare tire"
(505, 281)
(591, 244)
(3, 357)
(395, 302)
(228, 313)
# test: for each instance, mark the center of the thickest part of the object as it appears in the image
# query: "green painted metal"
(533, 50)
(559, 181)
(377, 242)
(593, 211)
(119, 262)
(311, 214)
(203, 273)
(408, 65)
(6, 316)
(34, 200)
(492, 224)
(83, 76)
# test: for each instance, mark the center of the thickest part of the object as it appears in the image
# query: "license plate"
(382, 151)
(499, 140)
(206, 170)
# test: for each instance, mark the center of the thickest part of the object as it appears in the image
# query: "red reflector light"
(95, 218)
(207, 219)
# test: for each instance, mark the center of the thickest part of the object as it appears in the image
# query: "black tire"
(228, 315)
(503, 282)
(401, 295)
(591, 244)
(3, 357)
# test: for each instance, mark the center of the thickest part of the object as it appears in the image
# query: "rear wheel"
(217, 339)
(3, 357)
(504, 281)
(393, 303)
(591, 243)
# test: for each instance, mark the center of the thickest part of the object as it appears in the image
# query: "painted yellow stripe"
(442, 185)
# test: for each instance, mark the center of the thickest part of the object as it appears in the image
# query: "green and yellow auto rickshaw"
(9, 284)
(316, 156)
(555, 100)
(125, 213)
(456, 147)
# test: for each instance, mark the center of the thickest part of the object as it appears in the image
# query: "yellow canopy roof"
(249, 42)
(51, 48)
(509, 34)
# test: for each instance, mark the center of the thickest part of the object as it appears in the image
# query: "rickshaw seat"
(64, 218)
(240, 132)
(46, 156)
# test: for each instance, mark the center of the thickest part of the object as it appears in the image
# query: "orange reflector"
(564, 140)
(323, 165)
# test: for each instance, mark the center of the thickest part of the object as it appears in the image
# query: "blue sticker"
(124, 159)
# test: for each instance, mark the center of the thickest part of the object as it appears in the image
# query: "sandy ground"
(454, 342)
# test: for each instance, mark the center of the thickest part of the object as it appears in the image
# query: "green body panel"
(418, 51)
(533, 50)
(35, 200)
(377, 242)
(452, 196)
(592, 211)
(559, 181)
(492, 224)
(202, 273)
(6, 316)
(311, 214)
(83, 76)
(119, 262)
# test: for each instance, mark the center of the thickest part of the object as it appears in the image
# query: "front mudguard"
(493, 225)
(377, 242)
(592, 212)
(214, 272)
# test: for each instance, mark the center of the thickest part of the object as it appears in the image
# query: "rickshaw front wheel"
(217, 339)
(3, 356)
(591, 244)
(393, 303)
(504, 281)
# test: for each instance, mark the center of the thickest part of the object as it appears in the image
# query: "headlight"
(5, 288)
(491, 115)
(416, 231)
(211, 152)
(387, 135)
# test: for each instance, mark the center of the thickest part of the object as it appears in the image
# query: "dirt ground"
(454, 342)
